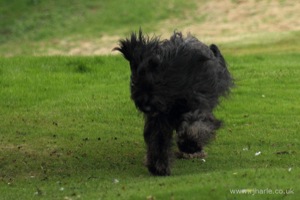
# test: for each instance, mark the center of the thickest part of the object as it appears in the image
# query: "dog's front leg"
(158, 138)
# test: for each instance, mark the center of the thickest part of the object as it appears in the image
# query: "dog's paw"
(182, 155)
(159, 170)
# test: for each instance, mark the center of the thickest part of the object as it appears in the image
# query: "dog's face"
(146, 86)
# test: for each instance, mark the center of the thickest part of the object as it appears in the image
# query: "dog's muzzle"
(149, 111)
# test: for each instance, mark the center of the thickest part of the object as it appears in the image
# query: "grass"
(36, 20)
(264, 43)
(38, 27)
(69, 131)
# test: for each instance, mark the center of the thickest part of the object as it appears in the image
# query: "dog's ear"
(137, 48)
(132, 48)
(127, 46)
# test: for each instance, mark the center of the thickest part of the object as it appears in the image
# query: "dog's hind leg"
(158, 138)
(195, 131)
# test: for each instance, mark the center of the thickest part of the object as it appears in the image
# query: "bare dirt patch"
(212, 21)
(102, 46)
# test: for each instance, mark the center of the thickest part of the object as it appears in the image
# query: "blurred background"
(93, 27)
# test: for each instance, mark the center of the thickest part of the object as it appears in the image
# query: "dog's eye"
(132, 83)
(141, 71)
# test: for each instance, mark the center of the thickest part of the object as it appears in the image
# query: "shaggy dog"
(176, 83)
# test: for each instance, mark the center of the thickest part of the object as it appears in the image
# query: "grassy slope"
(35, 26)
(265, 43)
(36, 20)
(68, 129)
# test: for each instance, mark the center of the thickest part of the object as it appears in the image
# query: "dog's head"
(173, 76)
(146, 81)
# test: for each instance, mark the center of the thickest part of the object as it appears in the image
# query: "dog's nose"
(146, 109)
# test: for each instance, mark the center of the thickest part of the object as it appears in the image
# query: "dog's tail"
(214, 48)
(225, 81)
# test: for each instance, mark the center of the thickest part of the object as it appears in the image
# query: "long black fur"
(176, 83)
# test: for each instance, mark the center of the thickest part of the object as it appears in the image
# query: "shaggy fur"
(176, 83)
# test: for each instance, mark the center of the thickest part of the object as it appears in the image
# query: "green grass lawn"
(70, 131)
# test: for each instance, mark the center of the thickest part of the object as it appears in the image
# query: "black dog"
(176, 83)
